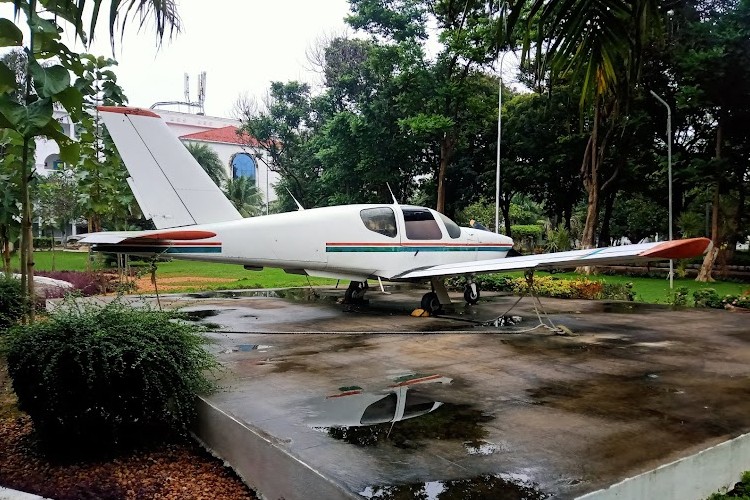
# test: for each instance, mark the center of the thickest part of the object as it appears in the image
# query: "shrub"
(618, 291)
(707, 297)
(680, 297)
(11, 302)
(103, 378)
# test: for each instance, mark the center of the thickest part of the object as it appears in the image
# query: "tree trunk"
(505, 207)
(590, 174)
(708, 261)
(609, 203)
(447, 143)
(27, 237)
(6, 257)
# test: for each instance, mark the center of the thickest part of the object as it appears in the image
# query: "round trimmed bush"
(102, 378)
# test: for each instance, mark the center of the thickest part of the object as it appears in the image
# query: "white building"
(239, 154)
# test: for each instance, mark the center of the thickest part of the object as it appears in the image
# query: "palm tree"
(209, 160)
(245, 196)
(599, 44)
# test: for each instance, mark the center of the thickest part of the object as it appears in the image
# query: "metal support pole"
(669, 174)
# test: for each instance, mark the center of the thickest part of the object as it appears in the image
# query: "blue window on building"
(243, 165)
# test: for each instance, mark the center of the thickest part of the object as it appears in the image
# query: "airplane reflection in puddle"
(352, 407)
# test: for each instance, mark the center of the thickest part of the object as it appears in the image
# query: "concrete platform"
(402, 407)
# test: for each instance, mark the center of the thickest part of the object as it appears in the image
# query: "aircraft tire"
(431, 303)
(355, 292)
(470, 296)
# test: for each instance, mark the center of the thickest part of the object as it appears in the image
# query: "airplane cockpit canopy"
(380, 220)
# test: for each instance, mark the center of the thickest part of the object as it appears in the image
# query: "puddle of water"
(438, 421)
(487, 486)
(232, 294)
(294, 294)
(198, 315)
(626, 307)
(253, 347)
(483, 448)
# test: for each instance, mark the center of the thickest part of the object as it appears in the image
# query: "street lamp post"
(499, 136)
(669, 175)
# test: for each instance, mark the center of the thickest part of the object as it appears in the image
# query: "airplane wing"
(625, 254)
(150, 242)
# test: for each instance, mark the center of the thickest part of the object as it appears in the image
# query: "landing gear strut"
(356, 292)
(433, 301)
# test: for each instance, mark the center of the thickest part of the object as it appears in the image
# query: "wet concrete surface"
(399, 407)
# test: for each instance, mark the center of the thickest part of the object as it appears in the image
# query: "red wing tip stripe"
(128, 111)
(179, 235)
(344, 394)
(678, 249)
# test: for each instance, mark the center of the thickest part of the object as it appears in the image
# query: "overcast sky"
(243, 45)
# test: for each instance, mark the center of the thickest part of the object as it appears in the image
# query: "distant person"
(477, 225)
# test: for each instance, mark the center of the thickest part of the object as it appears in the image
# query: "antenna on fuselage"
(299, 206)
(395, 201)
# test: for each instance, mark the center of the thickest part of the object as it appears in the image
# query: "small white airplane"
(394, 242)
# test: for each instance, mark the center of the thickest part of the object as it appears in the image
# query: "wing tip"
(678, 249)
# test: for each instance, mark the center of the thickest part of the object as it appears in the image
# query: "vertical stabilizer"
(170, 186)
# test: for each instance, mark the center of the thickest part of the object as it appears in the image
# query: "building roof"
(224, 135)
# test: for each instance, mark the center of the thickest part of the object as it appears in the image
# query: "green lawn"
(652, 290)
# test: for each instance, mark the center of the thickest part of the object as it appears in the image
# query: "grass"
(656, 290)
(651, 290)
(267, 278)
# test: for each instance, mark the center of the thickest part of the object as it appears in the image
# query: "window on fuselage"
(453, 230)
(421, 225)
(380, 220)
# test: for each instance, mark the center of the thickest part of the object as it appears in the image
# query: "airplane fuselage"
(348, 242)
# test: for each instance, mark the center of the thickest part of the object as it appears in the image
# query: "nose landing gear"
(471, 293)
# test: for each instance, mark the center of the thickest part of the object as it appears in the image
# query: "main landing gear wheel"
(431, 303)
(471, 294)
(355, 292)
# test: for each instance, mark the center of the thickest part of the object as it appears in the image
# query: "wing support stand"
(505, 320)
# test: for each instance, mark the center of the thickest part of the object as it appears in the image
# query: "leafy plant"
(558, 240)
(11, 302)
(741, 490)
(707, 297)
(102, 378)
(680, 296)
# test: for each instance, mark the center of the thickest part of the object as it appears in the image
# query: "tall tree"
(30, 113)
(103, 190)
(468, 31)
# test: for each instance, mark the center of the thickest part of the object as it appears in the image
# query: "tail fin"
(169, 185)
